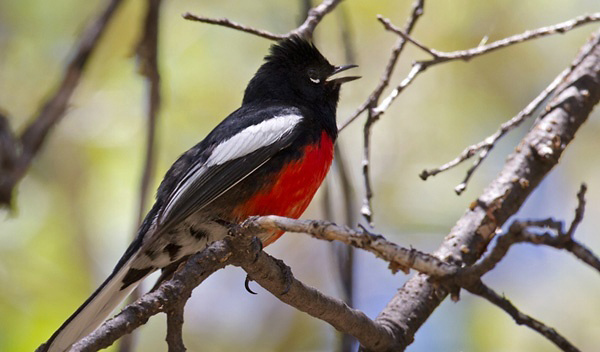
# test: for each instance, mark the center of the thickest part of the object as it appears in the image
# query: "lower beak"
(341, 80)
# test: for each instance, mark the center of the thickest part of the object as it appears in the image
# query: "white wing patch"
(252, 138)
(245, 142)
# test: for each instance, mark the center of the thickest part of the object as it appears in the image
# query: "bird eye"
(314, 77)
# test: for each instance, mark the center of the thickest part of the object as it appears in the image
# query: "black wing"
(210, 176)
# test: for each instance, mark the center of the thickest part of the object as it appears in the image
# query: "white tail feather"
(93, 312)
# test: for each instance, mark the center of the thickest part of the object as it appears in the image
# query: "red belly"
(294, 186)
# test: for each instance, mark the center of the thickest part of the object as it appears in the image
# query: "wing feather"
(231, 162)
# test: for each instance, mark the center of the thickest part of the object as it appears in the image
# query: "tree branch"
(54, 108)
(243, 250)
(577, 92)
(276, 277)
(465, 55)
(441, 57)
(400, 258)
(167, 296)
(175, 327)
(480, 289)
(519, 232)
(487, 144)
(535, 156)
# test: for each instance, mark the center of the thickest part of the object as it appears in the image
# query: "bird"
(268, 157)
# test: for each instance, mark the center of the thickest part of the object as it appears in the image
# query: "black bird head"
(295, 72)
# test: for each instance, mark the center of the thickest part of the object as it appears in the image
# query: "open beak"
(341, 80)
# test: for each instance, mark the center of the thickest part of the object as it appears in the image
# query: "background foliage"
(75, 211)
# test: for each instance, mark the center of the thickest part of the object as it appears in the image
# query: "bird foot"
(247, 284)
(288, 277)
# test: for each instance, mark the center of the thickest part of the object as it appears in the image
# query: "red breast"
(294, 186)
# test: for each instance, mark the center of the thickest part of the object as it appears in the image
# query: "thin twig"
(579, 211)
(480, 289)
(384, 81)
(385, 104)
(315, 16)
(488, 143)
(468, 54)
(373, 115)
(230, 24)
(562, 241)
(440, 57)
(390, 27)
(366, 210)
(306, 29)
(9, 157)
(374, 112)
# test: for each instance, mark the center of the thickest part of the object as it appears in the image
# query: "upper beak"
(341, 80)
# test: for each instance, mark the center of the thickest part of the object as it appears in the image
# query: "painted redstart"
(268, 157)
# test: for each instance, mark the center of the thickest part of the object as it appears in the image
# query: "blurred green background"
(76, 208)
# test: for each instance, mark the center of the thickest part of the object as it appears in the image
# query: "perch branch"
(400, 258)
(276, 277)
(242, 250)
(166, 297)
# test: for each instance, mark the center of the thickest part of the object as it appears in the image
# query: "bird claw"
(287, 276)
(247, 284)
(258, 245)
